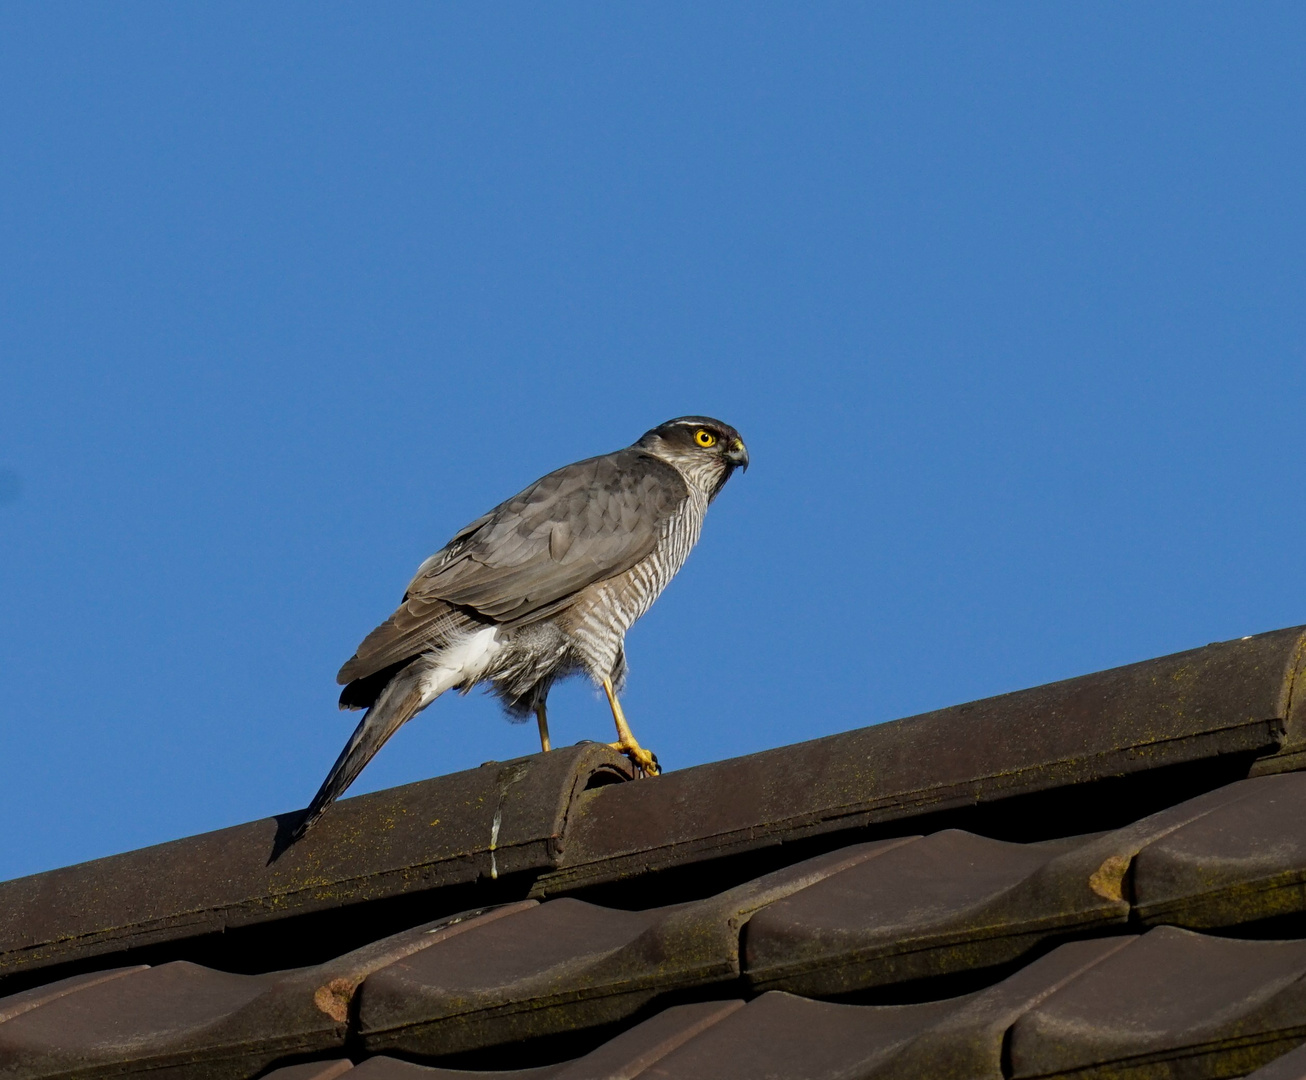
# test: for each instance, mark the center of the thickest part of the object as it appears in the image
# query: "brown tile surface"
(953, 901)
(1242, 861)
(786, 1037)
(17, 1004)
(1291, 1066)
(1171, 1003)
(566, 965)
(174, 1015)
(198, 1023)
(867, 915)
(936, 905)
(624, 1057)
(314, 1070)
(383, 1067)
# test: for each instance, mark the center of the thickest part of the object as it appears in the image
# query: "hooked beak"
(738, 454)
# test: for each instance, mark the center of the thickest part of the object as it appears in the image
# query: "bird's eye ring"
(704, 438)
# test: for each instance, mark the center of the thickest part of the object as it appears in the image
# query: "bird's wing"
(581, 524)
(584, 523)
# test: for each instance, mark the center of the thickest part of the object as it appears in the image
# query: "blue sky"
(1007, 301)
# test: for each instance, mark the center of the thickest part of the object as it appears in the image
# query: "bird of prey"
(543, 586)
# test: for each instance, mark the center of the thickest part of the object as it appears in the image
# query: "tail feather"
(402, 699)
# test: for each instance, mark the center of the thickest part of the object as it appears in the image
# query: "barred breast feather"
(597, 622)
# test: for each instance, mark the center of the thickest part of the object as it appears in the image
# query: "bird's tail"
(403, 698)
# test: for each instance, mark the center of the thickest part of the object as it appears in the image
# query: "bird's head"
(706, 451)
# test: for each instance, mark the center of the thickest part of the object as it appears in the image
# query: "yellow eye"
(704, 438)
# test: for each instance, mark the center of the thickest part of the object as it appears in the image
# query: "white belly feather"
(461, 664)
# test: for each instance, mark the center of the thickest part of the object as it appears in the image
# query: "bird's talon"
(645, 762)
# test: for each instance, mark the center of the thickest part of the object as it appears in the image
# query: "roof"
(1100, 877)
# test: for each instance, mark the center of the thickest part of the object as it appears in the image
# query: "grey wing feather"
(416, 625)
(527, 557)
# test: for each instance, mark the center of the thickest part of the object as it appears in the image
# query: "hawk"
(543, 586)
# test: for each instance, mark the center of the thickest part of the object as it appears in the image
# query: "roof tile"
(935, 905)
(567, 964)
(953, 901)
(1291, 1066)
(313, 1070)
(1089, 1008)
(210, 1023)
(200, 1023)
(785, 1037)
(624, 1057)
(1222, 1007)
(17, 1004)
(1243, 860)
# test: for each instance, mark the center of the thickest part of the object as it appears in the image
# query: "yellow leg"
(645, 762)
(542, 718)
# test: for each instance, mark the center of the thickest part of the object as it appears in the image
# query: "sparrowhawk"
(543, 586)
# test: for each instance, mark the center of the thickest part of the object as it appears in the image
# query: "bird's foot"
(645, 761)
